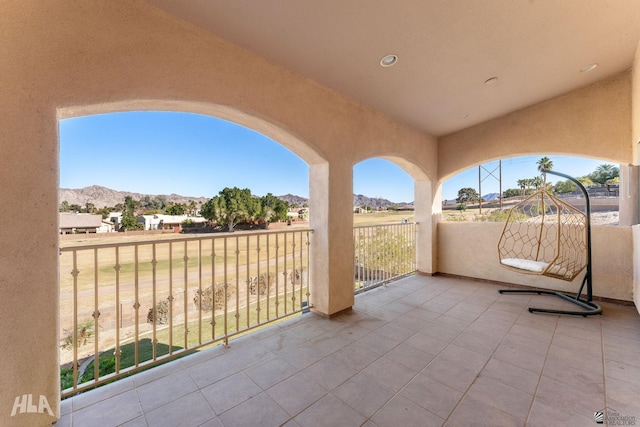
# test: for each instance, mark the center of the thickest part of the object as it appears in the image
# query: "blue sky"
(195, 155)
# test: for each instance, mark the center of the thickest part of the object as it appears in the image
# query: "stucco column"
(428, 211)
(29, 395)
(628, 208)
(331, 218)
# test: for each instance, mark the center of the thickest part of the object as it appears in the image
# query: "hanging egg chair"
(545, 236)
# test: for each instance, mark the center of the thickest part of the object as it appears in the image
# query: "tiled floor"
(423, 351)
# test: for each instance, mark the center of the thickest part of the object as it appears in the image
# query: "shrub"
(207, 298)
(159, 314)
(84, 332)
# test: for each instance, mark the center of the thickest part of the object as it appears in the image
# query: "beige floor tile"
(229, 392)
(473, 412)
(426, 343)
(521, 356)
(363, 394)
(625, 394)
(511, 375)
(432, 395)
(622, 371)
(465, 357)
(329, 372)
(478, 341)
(389, 374)
(260, 410)
(410, 357)
(378, 343)
(296, 393)
(330, 411)
(110, 412)
(403, 412)
(329, 342)
(508, 399)
(188, 411)
(543, 415)
(453, 374)
(356, 355)
(212, 370)
(270, 373)
(563, 397)
(160, 392)
(621, 355)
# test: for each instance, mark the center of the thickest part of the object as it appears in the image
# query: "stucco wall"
(471, 250)
(591, 122)
(67, 58)
(635, 121)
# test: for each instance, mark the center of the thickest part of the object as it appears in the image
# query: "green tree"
(603, 173)
(90, 207)
(563, 187)
(175, 209)
(467, 195)
(512, 192)
(64, 206)
(544, 163)
(191, 208)
(230, 207)
(585, 180)
(538, 182)
(129, 221)
(105, 211)
(273, 208)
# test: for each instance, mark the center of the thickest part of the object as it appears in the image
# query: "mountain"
(375, 202)
(293, 199)
(102, 196)
(491, 196)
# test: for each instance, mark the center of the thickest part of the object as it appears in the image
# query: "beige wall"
(471, 250)
(591, 122)
(67, 58)
(635, 121)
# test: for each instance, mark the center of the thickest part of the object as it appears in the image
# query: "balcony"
(423, 350)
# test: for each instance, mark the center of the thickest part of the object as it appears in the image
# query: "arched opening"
(134, 299)
(386, 240)
(476, 194)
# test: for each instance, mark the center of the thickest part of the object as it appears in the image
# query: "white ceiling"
(447, 49)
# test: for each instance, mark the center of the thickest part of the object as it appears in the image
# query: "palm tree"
(544, 164)
(604, 172)
(521, 183)
(538, 182)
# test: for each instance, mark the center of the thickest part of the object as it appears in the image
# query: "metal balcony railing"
(383, 253)
(127, 306)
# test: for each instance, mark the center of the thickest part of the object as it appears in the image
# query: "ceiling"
(446, 49)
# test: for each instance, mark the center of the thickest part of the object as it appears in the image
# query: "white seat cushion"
(525, 264)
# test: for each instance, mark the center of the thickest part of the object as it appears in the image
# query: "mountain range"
(102, 196)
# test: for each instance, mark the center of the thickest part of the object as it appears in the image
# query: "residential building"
(82, 223)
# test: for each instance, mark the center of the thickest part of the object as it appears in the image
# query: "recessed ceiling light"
(464, 116)
(588, 68)
(491, 81)
(389, 60)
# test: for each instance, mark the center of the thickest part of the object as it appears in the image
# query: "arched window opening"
(484, 192)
